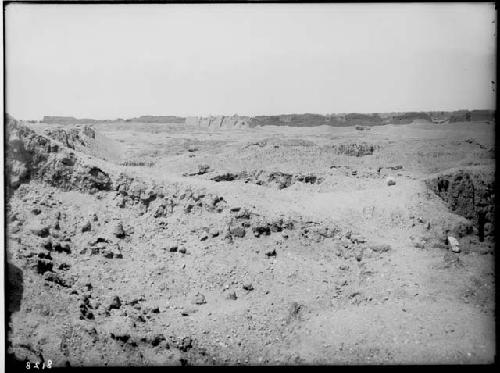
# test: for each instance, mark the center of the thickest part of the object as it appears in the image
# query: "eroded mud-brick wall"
(33, 156)
(471, 195)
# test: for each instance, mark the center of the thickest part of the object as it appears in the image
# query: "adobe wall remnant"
(471, 194)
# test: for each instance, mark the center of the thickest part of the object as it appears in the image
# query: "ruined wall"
(31, 156)
(471, 194)
(216, 122)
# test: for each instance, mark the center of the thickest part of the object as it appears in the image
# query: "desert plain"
(132, 243)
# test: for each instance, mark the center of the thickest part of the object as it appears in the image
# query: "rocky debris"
(380, 248)
(137, 164)
(86, 227)
(356, 150)
(114, 302)
(187, 311)
(454, 245)
(171, 246)
(39, 229)
(280, 180)
(202, 169)
(61, 247)
(117, 230)
(64, 266)
(111, 252)
(390, 181)
(315, 231)
(57, 279)
(44, 263)
(232, 295)
(162, 200)
(362, 128)
(188, 208)
(213, 232)
(395, 168)
(271, 253)
(248, 286)
(185, 344)
(204, 236)
(199, 299)
(182, 250)
(237, 231)
(261, 229)
(85, 308)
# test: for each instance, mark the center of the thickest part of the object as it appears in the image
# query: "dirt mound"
(85, 139)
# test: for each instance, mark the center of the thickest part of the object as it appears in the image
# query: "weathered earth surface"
(172, 244)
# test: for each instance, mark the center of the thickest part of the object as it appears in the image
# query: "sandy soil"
(265, 266)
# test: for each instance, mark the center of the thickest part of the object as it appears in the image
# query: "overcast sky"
(109, 61)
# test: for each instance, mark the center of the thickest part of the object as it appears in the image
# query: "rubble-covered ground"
(163, 244)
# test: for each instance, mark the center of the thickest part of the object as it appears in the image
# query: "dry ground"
(382, 288)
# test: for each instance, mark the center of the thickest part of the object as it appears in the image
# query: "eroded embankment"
(469, 193)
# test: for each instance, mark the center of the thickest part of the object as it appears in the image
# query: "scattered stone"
(120, 201)
(118, 230)
(248, 286)
(39, 229)
(54, 277)
(64, 266)
(115, 303)
(199, 299)
(86, 227)
(36, 211)
(232, 295)
(203, 236)
(61, 247)
(188, 311)
(185, 344)
(203, 169)
(357, 239)
(182, 250)
(454, 245)
(391, 181)
(237, 231)
(381, 248)
(271, 253)
(44, 265)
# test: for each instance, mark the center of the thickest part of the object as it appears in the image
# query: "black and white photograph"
(248, 184)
